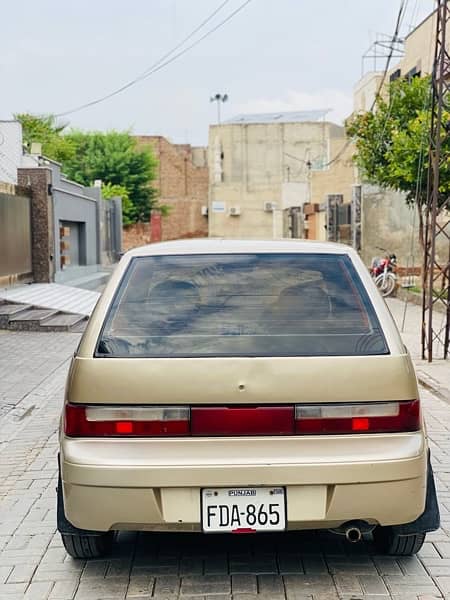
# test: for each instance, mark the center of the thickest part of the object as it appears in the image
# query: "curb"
(405, 295)
(433, 386)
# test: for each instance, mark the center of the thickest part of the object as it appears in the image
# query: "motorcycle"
(383, 272)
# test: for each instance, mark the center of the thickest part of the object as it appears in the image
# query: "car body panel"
(219, 380)
(155, 484)
(178, 509)
(197, 461)
(171, 473)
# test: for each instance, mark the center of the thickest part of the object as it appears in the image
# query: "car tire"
(80, 543)
(88, 546)
(388, 542)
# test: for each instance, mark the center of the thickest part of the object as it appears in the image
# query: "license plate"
(242, 510)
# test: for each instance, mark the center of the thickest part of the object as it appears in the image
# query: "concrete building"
(336, 181)
(365, 91)
(264, 168)
(293, 175)
(182, 182)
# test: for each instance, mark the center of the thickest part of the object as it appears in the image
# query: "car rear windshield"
(241, 305)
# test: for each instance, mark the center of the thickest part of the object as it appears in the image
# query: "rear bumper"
(155, 484)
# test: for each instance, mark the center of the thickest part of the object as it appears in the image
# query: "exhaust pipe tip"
(353, 530)
(353, 535)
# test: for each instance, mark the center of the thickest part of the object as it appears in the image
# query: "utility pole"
(436, 267)
(219, 98)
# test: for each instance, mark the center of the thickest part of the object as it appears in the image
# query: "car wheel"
(81, 543)
(88, 546)
(388, 542)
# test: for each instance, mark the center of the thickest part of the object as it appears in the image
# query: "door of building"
(71, 229)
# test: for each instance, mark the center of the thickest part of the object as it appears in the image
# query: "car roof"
(222, 246)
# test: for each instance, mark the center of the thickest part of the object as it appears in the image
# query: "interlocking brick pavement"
(294, 566)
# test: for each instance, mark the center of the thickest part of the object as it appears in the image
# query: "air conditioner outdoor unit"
(205, 211)
(235, 211)
(269, 206)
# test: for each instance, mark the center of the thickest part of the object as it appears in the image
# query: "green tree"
(112, 157)
(110, 190)
(392, 143)
(46, 131)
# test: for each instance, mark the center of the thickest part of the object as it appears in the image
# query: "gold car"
(243, 386)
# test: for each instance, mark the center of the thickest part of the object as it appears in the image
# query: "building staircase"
(16, 316)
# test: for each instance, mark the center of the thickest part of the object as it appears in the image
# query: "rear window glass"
(241, 305)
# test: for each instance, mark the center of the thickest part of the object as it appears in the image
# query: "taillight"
(302, 419)
(242, 420)
(376, 417)
(133, 421)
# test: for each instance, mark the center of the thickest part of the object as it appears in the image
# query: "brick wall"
(135, 235)
(185, 220)
(182, 181)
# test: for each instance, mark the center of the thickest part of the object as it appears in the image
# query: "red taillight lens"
(135, 421)
(376, 417)
(237, 420)
(303, 419)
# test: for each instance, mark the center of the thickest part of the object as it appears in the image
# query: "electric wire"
(161, 63)
(400, 15)
(413, 16)
(397, 30)
(419, 180)
(186, 39)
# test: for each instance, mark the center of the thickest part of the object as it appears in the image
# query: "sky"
(274, 55)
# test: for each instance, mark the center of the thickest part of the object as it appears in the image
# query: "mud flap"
(63, 524)
(430, 519)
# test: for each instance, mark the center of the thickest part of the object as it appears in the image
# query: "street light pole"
(219, 98)
(274, 224)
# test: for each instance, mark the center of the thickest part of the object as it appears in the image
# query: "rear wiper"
(103, 347)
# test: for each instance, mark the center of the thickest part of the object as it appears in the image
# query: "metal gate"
(15, 237)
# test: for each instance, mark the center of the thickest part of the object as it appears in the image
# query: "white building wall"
(10, 150)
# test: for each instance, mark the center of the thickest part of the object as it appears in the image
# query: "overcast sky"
(274, 55)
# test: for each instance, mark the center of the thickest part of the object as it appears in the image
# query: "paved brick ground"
(306, 566)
